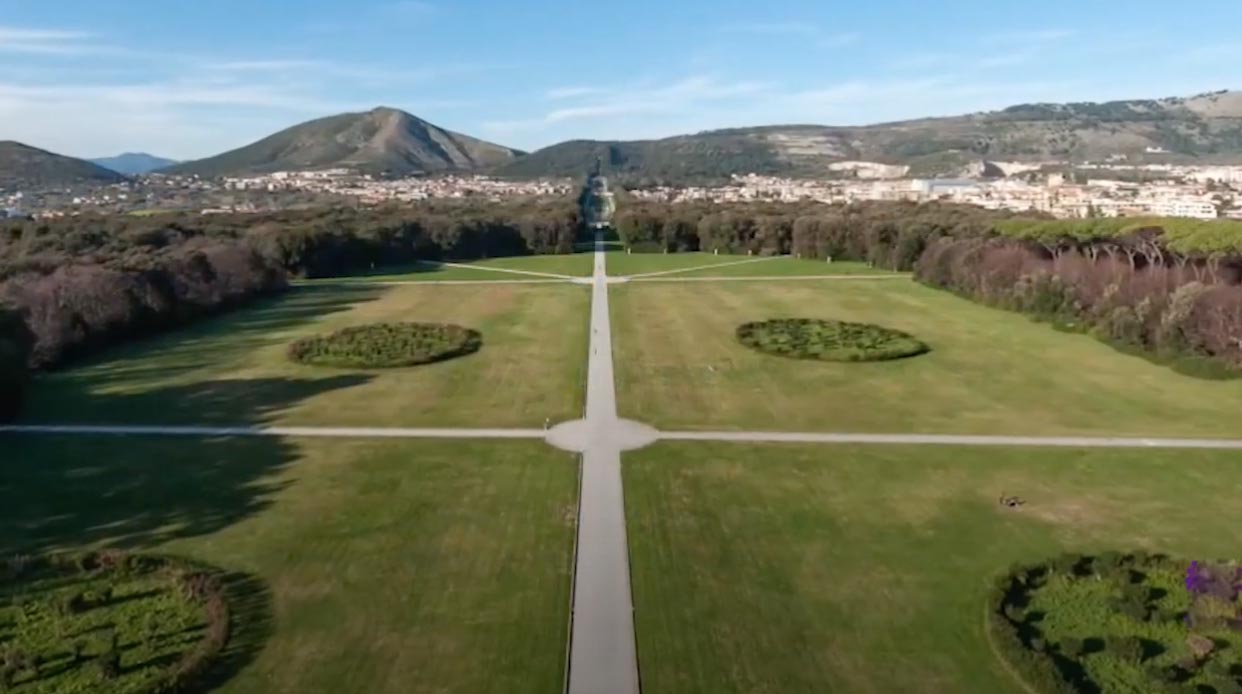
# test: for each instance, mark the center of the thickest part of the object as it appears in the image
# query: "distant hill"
(133, 163)
(1207, 127)
(380, 141)
(26, 167)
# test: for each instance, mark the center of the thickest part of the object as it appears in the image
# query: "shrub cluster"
(387, 345)
(1101, 623)
(55, 641)
(825, 340)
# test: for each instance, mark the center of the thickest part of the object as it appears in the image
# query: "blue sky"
(190, 79)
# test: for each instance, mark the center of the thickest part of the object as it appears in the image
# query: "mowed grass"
(235, 369)
(865, 569)
(679, 366)
(356, 566)
(574, 265)
(709, 265)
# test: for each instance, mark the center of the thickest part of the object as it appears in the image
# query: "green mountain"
(382, 141)
(133, 163)
(23, 167)
(1207, 127)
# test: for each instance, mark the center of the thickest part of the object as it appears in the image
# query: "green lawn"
(360, 566)
(576, 264)
(235, 369)
(865, 569)
(708, 265)
(679, 366)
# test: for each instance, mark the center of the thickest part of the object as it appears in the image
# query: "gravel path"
(710, 266)
(950, 439)
(769, 278)
(602, 654)
(324, 432)
(505, 270)
(603, 657)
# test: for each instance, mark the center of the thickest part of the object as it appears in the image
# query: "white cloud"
(841, 40)
(673, 98)
(1027, 37)
(45, 41)
(921, 61)
(795, 29)
(11, 33)
(263, 65)
(788, 28)
(164, 94)
(557, 93)
(1007, 59)
(408, 7)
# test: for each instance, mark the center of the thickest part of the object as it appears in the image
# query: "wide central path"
(602, 658)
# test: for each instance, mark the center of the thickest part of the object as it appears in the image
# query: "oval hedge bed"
(826, 340)
(108, 622)
(1121, 622)
(387, 345)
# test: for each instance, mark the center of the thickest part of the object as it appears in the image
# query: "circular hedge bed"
(827, 340)
(1121, 622)
(387, 345)
(108, 622)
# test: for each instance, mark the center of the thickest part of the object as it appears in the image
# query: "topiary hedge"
(108, 621)
(387, 345)
(827, 340)
(1120, 622)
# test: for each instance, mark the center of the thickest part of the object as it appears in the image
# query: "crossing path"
(603, 656)
(622, 435)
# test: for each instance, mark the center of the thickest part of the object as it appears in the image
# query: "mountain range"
(381, 141)
(133, 163)
(23, 166)
(1206, 128)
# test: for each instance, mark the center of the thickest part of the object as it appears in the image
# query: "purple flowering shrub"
(1078, 624)
(1214, 590)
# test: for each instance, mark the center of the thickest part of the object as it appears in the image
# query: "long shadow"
(417, 267)
(68, 395)
(231, 332)
(250, 626)
(137, 492)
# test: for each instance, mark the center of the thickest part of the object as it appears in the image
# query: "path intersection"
(602, 655)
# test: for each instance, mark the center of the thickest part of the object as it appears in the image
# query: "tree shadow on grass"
(212, 339)
(250, 626)
(72, 395)
(135, 492)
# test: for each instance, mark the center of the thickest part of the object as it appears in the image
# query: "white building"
(1184, 207)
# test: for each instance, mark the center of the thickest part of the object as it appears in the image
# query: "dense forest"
(73, 285)
(1167, 287)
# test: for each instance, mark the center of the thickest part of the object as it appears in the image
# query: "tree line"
(74, 285)
(1169, 287)
(888, 235)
